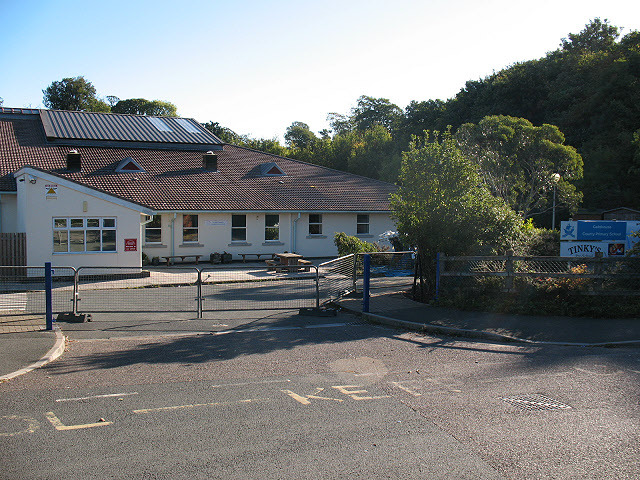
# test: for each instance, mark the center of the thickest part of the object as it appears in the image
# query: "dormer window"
(271, 169)
(275, 170)
(129, 165)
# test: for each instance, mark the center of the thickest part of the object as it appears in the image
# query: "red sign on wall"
(130, 244)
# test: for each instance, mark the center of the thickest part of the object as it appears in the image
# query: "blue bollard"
(366, 278)
(48, 297)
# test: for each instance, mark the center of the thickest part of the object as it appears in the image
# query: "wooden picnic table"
(286, 261)
(289, 258)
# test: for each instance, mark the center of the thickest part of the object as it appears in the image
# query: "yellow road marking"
(32, 425)
(194, 405)
(436, 382)
(55, 421)
(408, 390)
(347, 390)
(304, 399)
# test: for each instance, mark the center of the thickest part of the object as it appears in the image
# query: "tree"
(442, 204)
(299, 136)
(223, 133)
(518, 162)
(142, 106)
(339, 123)
(112, 100)
(370, 111)
(73, 94)
(597, 36)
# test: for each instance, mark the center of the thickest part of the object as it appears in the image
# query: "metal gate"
(192, 289)
(259, 288)
(195, 290)
(22, 290)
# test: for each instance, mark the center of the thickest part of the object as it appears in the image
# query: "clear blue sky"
(257, 66)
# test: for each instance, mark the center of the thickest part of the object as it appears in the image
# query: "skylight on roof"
(187, 125)
(159, 124)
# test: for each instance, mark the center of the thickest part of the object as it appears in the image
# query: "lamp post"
(555, 178)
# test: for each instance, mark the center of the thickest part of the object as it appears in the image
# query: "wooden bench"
(274, 265)
(306, 264)
(171, 258)
(258, 255)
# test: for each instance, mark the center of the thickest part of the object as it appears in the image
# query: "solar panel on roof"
(187, 125)
(159, 124)
(63, 125)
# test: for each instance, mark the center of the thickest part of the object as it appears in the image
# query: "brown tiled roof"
(175, 179)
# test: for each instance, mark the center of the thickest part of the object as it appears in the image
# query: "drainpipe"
(295, 224)
(173, 234)
(141, 237)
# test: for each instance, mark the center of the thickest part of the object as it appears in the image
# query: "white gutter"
(142, 224)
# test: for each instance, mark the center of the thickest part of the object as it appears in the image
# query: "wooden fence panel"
(13, 249)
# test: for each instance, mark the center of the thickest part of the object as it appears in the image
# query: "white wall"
(9, 212)
(36, 211)
(214, 234)
(323, 246)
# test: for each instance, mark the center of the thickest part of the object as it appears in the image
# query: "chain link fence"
(389, 271)
(582, 276)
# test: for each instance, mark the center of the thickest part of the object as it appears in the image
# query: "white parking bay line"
(95, 396)
(13, 301)
(243, 384)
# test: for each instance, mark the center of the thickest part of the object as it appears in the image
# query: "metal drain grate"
(535, 401)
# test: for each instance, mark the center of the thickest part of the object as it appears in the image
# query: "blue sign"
(605, 230)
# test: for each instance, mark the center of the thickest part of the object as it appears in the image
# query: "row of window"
(98, 234)
(153, 229)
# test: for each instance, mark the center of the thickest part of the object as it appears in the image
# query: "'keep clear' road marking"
(55, 421)
(344, 389)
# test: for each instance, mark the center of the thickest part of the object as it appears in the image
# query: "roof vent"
(210, 161)
(74, 162)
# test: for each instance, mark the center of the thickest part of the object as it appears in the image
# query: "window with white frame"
(153, 230)
(315, 224)
(362, 224)
(84, 234)
(271, 227)
(189, 228)
(238, 228)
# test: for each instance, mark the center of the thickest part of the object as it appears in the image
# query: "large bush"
(348, 245)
